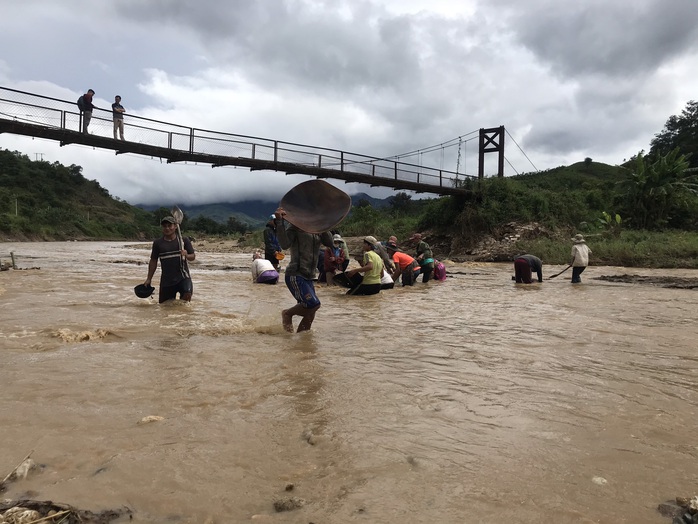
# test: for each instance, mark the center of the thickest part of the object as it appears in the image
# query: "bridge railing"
(51, 112)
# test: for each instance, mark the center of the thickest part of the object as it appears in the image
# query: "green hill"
(49, 201)
(579, 176)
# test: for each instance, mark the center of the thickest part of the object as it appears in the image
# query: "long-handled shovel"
(179, 216)
(556, 274)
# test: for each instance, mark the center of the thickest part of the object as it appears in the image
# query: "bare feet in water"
(287, 321)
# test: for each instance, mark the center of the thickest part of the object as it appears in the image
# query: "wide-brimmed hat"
(371, 240)
(169, 219)
(578, 239)
(143, 291)
(416, 236)
(392, 246)
(337, 238)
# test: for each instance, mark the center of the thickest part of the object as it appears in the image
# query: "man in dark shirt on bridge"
(86, 106)
(523, 265)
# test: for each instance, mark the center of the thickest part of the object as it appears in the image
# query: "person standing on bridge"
(118, 112)
(86, 106)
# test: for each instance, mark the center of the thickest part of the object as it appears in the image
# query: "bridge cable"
(447, 143)
(460, 145)
(522, 151)
(515, 171)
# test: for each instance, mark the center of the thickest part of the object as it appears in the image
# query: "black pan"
(343, 279)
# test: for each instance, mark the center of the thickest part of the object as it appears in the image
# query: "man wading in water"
(301, 272)
(174, 277)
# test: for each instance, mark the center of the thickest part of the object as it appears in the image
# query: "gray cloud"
(615, 39)
(376, 77)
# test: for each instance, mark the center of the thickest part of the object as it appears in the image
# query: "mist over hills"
(252, 212)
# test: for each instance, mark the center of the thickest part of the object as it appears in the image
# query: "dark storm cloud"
(376, 77)
(600, 37)
(338, 47)
(404, 70)
(84, 44)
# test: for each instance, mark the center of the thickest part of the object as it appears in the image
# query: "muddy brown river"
(469, 400)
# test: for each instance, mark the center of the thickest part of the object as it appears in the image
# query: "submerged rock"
(288, 504)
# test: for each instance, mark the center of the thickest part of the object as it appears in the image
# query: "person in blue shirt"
(271, 242)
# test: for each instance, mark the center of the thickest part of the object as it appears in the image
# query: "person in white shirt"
(263, 271)
(387, 281)
(579, 258)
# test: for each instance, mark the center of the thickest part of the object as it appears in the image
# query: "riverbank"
(628, 248)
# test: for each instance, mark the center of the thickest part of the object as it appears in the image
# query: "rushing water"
(469, 400)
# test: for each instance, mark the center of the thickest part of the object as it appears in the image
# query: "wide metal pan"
(315, 206)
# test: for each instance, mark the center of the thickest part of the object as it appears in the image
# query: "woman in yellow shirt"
(372, 269)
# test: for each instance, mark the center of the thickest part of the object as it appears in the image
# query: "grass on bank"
(651, 249)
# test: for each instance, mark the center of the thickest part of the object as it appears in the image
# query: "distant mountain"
(255, 213)
(375, 202)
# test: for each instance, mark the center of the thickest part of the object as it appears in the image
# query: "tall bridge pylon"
(491, 141)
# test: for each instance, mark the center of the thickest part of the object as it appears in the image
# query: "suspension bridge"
(30, 114)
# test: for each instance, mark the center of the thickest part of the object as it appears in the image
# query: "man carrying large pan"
(303, 222)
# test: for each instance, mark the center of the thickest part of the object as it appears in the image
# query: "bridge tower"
(491, 141)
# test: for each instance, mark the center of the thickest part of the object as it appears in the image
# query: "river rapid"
(469, 400)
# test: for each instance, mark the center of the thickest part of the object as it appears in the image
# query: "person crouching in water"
(372, 268)
(334, 258)
(406, 267)
(301, 271)
(263, 271)
(424, 256)
(523, 267)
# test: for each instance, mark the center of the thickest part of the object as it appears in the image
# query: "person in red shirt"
(334, 259)
(406, 267)
(86, 106)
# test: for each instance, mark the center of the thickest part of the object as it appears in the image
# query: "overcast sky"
(568, 80)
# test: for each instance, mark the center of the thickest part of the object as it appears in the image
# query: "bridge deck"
(66, 137)
(33, 115)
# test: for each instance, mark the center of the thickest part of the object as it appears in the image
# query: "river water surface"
(470, 400)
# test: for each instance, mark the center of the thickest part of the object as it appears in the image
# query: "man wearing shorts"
(174, 277)
(301, 272)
